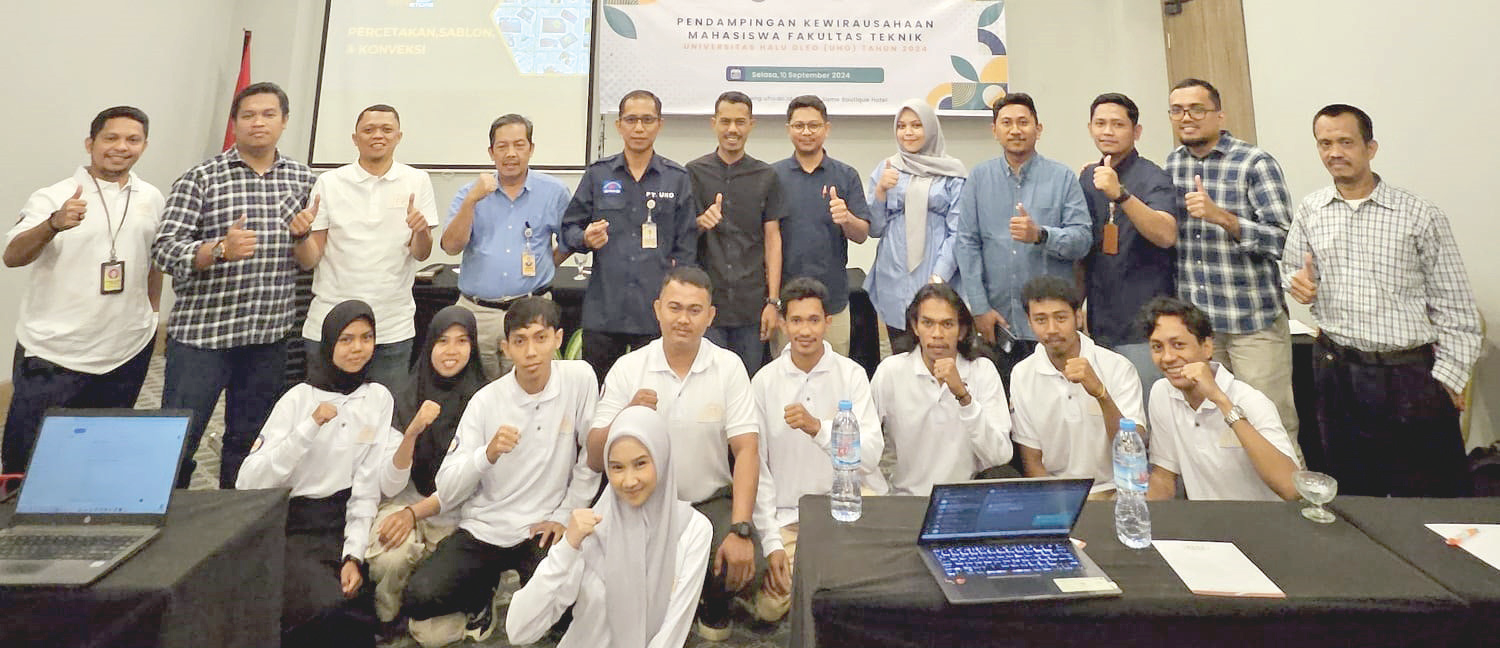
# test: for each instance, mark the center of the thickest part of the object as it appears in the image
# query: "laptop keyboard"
(997, 559)
(47, 546)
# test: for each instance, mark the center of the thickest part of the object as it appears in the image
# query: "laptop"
(96, 492)
(1008, 540)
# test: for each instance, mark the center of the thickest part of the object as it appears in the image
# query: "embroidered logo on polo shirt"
(612, 187)
(260, 440)
(453, 446)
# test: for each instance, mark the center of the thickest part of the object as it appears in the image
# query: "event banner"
(862, 57)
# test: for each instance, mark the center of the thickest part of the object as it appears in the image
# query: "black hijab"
(452, 394)
(321, 372)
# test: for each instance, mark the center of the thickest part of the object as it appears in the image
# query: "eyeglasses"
(633, 120)
(1198, 111)
(811, 127)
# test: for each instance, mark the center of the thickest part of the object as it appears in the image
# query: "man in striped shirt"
(1400, 329)
(1227, 248)
(227, 239)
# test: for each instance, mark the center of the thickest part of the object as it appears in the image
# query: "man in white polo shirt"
(1221, 435)
(703, 392)
(368, 224)
(942, 405)
(88, 315)
(1069, 394)
(796, 397)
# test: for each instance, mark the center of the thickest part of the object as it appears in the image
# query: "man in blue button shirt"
(503, 223)
(635, 211)
(825, 209)
(1021, 215)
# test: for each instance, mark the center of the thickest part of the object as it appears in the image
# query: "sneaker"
(713, 633)
(481, 624)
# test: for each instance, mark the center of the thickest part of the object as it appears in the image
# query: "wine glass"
(1318, 489)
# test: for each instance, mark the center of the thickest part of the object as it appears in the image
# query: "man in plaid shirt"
(1400, 329)
(227, 238)
(1228, 247)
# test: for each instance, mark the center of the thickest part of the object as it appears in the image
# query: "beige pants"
(1263, 359)
(440, 630)
(391, 567)
(837, 335)
(772, 607)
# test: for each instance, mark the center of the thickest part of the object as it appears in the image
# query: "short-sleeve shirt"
(502, 230)
(1120, 284)
(812, 245)
(733, 253)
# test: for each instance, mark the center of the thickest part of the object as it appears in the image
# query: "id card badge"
(528, 264)
(1111, 242)
(648, 235)
(111, 277)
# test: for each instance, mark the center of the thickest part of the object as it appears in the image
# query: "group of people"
(716, 321)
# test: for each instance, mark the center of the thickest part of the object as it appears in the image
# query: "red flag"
(239, 85)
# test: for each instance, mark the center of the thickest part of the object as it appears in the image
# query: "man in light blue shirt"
(1020, 216)
(504, 224)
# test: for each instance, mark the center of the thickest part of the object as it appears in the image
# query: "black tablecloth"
(865, 585)
(1399, 525)
(212, 578)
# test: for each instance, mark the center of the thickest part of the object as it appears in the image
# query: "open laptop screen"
(1016, 508)
(103, 464)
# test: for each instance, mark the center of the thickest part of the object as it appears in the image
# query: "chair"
(9, 482)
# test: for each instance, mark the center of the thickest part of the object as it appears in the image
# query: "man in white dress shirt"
(1221, 435)
(944, 411)
(1069, 394)
(703, 392)
(515, 472)
(88, 314)
(367, 225)
(796, 397)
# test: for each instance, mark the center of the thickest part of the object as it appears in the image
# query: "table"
(1398, 525)
(212, 578)
(865, 585)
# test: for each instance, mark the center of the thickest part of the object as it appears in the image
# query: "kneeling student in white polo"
(329, 440)
(514, 472)
(1221, 435)
(796, 398)
(1069, 394)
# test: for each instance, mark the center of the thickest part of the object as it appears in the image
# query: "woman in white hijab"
(633, 566)
(914, 212)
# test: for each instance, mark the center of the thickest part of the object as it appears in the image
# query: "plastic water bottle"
(1132, 518)
(845, 498)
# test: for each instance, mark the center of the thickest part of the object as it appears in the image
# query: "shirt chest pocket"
(610, 205)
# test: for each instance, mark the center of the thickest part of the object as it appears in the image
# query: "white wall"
(1425, 73)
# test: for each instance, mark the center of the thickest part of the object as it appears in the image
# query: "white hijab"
(635, 548)
(927, 163)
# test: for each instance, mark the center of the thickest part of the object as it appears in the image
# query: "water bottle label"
(1131, 474)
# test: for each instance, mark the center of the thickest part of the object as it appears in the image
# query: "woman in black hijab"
(428, 407)
(327, 441)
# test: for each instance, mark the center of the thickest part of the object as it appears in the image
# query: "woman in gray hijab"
(914, 212)
(632, 567)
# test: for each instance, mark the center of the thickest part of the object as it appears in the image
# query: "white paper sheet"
(1298, 327)
(1216, 569)
(1485, 544)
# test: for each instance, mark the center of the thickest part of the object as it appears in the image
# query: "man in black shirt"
(739, 240)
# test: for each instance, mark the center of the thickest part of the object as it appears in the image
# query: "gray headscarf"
(635, 548)
(926, 164)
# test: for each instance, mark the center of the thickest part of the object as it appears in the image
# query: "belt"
(504, 303)
(1417, 355)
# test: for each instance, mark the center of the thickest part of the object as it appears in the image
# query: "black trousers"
(601, 349)
(461, 575)
(40, 384)
(314, 610)
(1005, 362)
(1388, 428)
(901, 341)
(713, 607)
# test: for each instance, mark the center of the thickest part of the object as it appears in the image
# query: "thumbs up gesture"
(889, 176)
(301, 224)
(1200, 205)
(414, 218)
(1304, 284)
(1022, 228)
(239, 243)
(71, 213)
(1106, 180)
(837, 209)
(711, 216)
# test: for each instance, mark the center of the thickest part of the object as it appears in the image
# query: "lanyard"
(109, 221)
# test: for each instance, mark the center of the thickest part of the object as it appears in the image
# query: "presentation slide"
(450, 67)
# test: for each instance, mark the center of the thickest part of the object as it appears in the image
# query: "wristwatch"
(218, 250)
(741, 529)
(1124, 196)
(773, 303)
(1235, 415)
(1041, 236)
